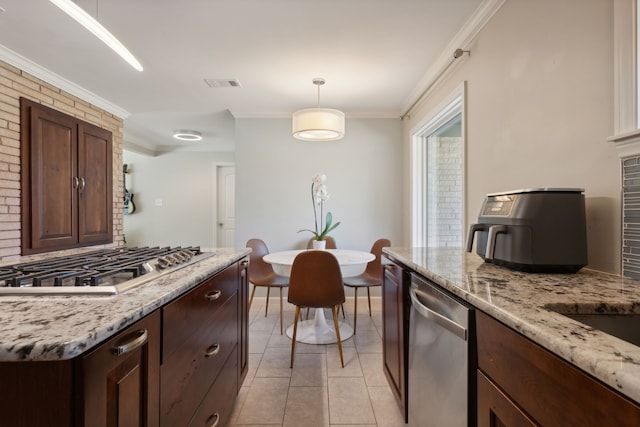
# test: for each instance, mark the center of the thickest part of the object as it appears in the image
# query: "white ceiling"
(376, 56)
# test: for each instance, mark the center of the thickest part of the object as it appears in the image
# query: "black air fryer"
(539, 230)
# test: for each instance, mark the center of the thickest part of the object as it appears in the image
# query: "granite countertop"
(523, 301)
(39, 328)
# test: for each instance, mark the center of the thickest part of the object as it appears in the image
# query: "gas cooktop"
(102, 272)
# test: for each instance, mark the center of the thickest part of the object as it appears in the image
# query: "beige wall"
(15, 83)
(539, 109)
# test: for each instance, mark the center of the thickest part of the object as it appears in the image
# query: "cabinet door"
(66, 181)
(243, 322)
(550, 390)
(52, 162)
(393, 333)
(95, 189)
(120, 379)
(495, 409)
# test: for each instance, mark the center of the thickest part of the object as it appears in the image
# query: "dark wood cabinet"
(119, 380)
(243, 320)
(37, 394)
(202, 337)
(522, 384)
(66, 180)
(100, 388)
(395, 331)
(95, 191)
(495, 409)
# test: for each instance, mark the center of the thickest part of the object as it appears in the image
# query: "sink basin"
(623, 325)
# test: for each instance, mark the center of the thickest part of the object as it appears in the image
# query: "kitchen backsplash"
(631, 217)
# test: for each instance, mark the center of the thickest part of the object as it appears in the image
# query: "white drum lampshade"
(318, 124)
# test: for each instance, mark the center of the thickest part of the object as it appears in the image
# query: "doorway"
(225, 206)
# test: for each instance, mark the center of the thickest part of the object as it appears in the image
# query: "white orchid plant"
(319, 195)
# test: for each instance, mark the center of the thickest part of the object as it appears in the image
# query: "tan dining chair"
(331, 243)
(372, 276)
(316, 282)
(261, 274)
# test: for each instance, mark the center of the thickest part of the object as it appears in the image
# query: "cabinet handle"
(213, 295)
(390, 266)
(75, 182)
(82, 184)
(213, 420)
(244, 263)
(212, 351)
(140, 339)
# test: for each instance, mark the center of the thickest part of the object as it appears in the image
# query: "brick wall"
(444, 199)
(15, 83)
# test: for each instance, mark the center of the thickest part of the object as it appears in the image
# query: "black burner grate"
(102, 267)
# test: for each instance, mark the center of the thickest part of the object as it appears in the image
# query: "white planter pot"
(319, 244)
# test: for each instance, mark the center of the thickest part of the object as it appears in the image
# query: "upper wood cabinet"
(67, 192)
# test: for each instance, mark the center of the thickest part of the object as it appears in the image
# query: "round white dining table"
(318, 331)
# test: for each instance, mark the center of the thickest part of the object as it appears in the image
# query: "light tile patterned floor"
(317, 391)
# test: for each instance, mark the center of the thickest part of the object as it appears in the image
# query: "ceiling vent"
(216, 83)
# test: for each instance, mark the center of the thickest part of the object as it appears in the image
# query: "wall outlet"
(158, 202)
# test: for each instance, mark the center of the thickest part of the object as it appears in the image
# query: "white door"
(226, 206)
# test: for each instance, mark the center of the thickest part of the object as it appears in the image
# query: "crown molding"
(28, 66)
(461, 40)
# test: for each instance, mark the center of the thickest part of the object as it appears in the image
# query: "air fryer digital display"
(498, 205)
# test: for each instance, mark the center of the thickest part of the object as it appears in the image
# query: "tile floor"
(317, 391)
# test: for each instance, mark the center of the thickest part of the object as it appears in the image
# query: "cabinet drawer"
(195, 309)
(189, 372)
(218, 404)
(550, 390)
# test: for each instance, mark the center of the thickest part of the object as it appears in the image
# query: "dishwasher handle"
(453, 327)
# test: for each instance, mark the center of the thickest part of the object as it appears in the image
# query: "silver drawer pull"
(212, 351)
(213, 295)
(140, 339)
(213, 420)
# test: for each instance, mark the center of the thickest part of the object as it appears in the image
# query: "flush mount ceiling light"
(318, 124)
(187, 135)
(87, 21)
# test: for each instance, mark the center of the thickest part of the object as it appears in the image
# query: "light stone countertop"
(520, 300)
(39, 328)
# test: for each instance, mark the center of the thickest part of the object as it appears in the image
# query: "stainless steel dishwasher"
(442, 358)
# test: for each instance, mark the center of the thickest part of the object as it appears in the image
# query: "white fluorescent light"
(98, 30)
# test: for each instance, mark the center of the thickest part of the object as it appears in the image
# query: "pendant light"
(318, 124)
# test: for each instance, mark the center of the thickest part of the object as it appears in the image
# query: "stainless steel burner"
(103, 272)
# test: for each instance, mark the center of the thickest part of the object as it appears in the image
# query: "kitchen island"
(99, 359)
(530, 304)
(44, 328)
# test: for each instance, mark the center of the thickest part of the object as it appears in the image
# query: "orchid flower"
(319, 195)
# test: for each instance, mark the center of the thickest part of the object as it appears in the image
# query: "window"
(626, 111)
(437, 176)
